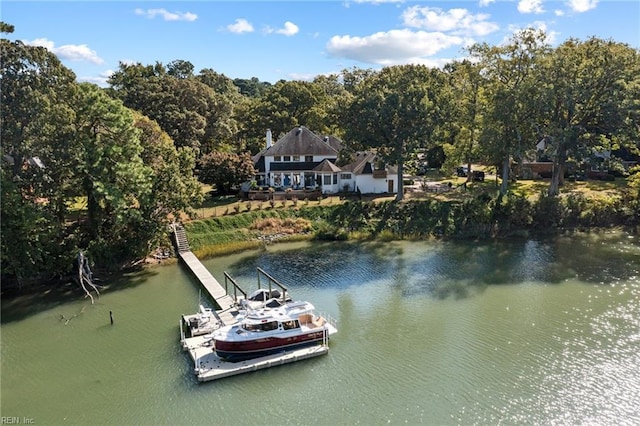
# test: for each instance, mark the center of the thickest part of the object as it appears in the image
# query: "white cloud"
(392, 47)
(240, 26)
(166, 15)
(459, 21)
(582, 5)
(71, 52)
(101, 80)
(288, 29)
(484, 3)
(559, 12)
(530, 6)
(378, 1)
(302, 76)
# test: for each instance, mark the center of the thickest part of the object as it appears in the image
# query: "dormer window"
(277, 158)
(308, 158)
(287, 158)
(296, 158)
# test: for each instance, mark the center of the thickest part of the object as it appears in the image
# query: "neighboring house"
(303, 160)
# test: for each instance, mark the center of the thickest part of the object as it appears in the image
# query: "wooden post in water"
(111, 316)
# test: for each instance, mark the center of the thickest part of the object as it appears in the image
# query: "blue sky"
(297, 40)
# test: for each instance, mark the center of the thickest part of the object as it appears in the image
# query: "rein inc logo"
(7, 420)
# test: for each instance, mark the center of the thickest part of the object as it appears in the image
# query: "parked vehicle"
(477, 176)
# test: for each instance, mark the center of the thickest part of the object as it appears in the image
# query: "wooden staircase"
(180, 235)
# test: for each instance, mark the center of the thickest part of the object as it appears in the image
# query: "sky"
(298, 40)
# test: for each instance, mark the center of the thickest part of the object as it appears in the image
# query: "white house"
(303, 160)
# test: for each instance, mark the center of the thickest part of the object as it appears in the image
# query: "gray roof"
(362, 163)
(327, 166)
(302, 141)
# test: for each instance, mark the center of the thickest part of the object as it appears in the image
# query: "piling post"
(111, 316)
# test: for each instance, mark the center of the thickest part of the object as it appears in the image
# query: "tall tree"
(184, 107)
(285, 105)
(36, 119)
(397, 110)
(221, 132)
(112, 175)
(510, 122)
(174, 188)
(589, 92)
(466, 125)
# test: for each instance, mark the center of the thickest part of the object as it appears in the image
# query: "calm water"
(521, 332)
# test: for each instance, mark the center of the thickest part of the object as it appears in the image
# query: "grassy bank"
(476, 211)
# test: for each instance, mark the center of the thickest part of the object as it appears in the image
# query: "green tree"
(286, 105)
(181, 105)
(466, 125)
(174, 188)
(251, 87)
(225, 170)
(510, 121)
(112, 175)
(221, 132)
(180, 69)
(396, 111)
(590, 107)
(36, 119)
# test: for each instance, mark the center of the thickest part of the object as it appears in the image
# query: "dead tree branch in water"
(67, 320)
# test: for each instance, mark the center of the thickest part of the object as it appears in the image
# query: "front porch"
(287, 194)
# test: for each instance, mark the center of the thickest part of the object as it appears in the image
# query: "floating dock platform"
(208, 366)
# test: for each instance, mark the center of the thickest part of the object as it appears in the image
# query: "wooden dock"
(226, 304)
(207, 365)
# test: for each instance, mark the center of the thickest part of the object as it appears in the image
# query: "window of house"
(308, 158)
(296, 158)
(287, 158)
(277, 158)
(345, 176)
(335, 179)
(326, 180)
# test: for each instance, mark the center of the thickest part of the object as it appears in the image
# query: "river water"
(510, 332)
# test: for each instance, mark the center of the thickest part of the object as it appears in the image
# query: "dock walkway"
(207, 365)
(225, 302)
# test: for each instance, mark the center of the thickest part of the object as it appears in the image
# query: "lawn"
(214, 205)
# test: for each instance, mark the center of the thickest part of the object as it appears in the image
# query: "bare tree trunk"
(557, 177)
(505, 175)
(400, 194)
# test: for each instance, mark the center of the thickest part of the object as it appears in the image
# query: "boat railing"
(271, 280)
(330, 320)
(236, 288)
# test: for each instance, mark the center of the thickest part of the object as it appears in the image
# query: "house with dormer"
(302, 159)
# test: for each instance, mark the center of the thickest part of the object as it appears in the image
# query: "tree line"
(104, 170)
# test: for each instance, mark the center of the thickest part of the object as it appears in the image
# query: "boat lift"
(209, 366)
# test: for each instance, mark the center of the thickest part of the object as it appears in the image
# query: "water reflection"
(510, 332)
(453, 269)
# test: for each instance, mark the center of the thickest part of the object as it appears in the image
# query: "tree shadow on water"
(18, 305)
